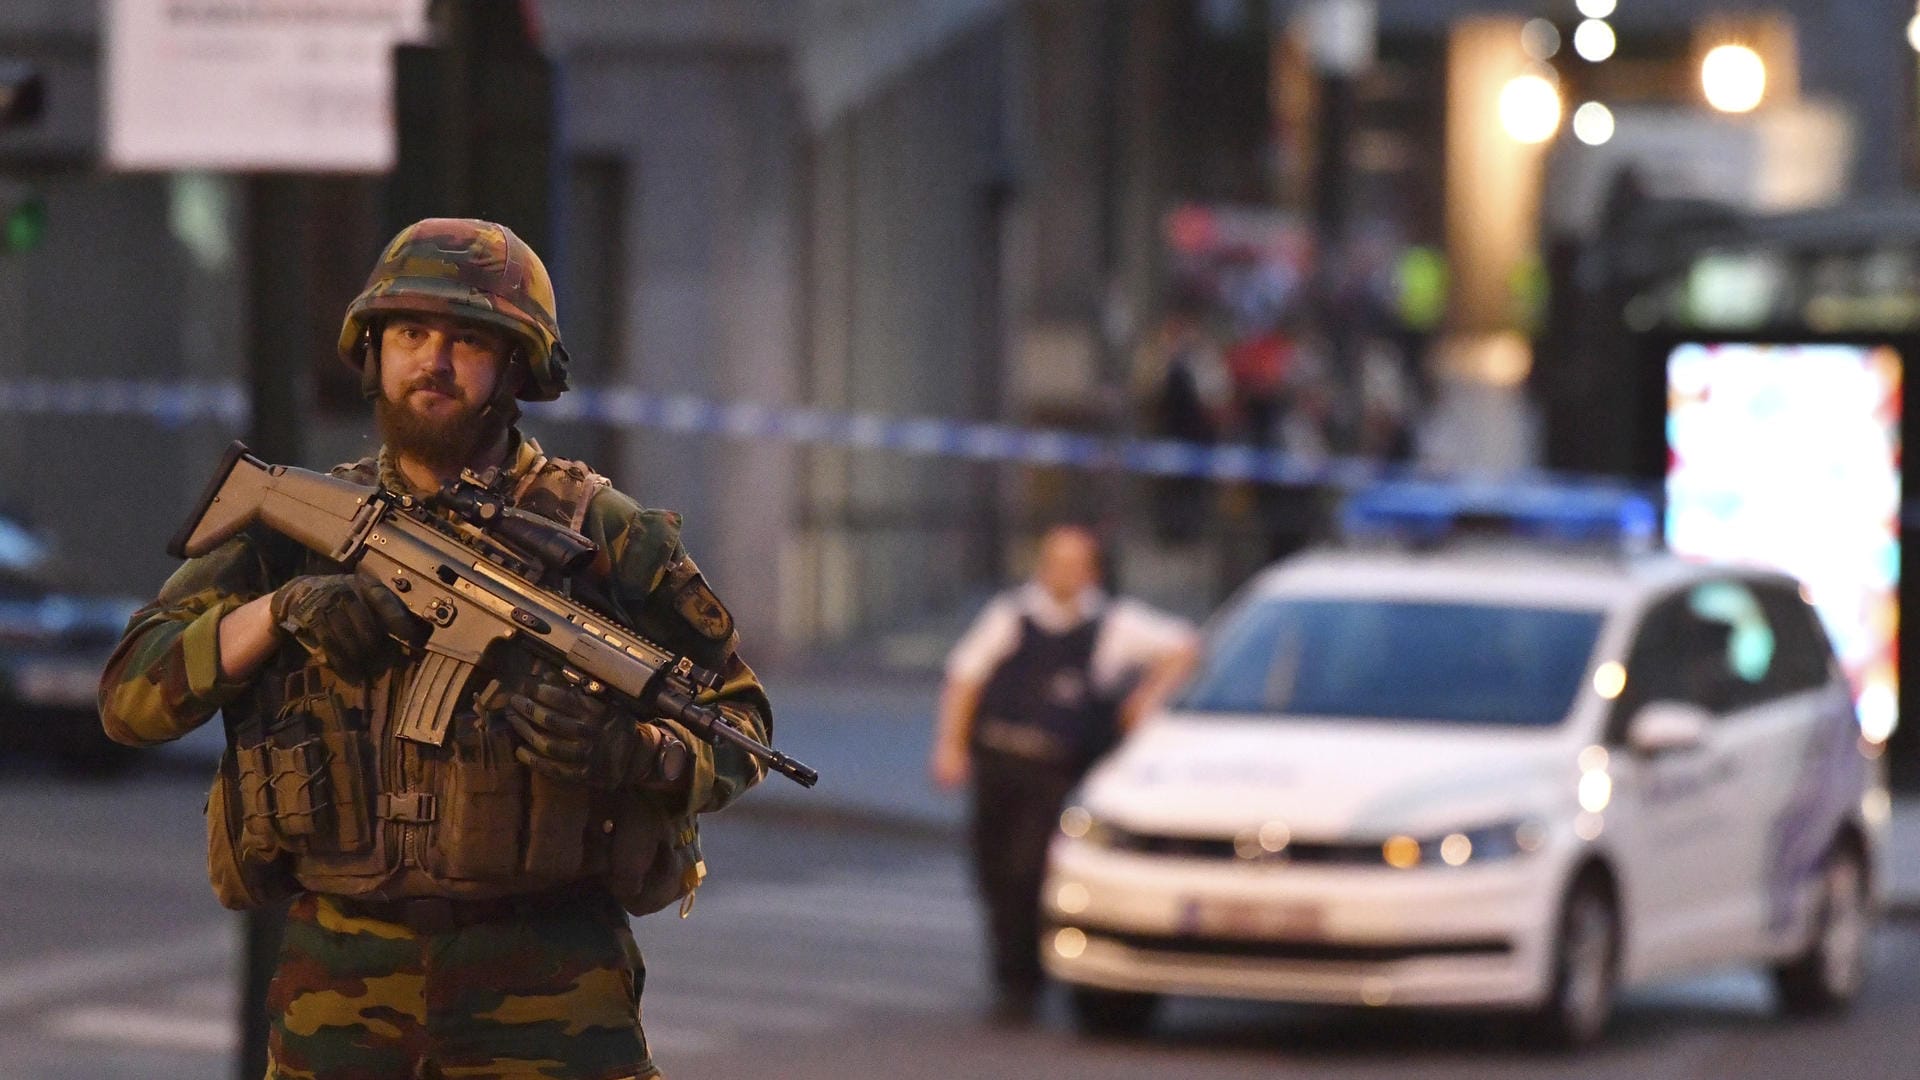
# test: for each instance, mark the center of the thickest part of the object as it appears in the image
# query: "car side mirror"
(1662, 727)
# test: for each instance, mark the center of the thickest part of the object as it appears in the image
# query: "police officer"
(1048, 677)
(457, 908)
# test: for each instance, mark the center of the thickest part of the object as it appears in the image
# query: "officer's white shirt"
(1132, 637)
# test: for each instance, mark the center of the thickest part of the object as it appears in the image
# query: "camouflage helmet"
(470, 269)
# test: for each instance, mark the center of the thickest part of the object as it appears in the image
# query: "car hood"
(1326, 779)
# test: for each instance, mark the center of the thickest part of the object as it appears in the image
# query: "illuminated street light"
(1594, 40)
(1595, 9)
(1529, 108)
(1734, 78)
(1593, 125)
(1913, 31)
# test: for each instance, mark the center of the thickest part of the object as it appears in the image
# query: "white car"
(1493, 778)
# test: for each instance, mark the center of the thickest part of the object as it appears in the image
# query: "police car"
(1480, 775)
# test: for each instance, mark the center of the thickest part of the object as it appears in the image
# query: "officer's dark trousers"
(1016, 808)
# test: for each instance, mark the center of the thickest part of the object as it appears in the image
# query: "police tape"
(168, 404)
(175, 404)
(172, 405)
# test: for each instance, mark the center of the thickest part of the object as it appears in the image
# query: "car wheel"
(1112, 1012)
(1827, 976)
(1586, 959)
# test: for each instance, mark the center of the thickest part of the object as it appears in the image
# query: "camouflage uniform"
(545, 980)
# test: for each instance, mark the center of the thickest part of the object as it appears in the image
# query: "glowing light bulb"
(1593, 125)
(1734, 78)
(1529, 108)
(1594, 40)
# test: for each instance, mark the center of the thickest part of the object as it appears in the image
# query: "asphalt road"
(814, 951)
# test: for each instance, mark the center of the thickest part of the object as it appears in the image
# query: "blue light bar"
(1424, 512)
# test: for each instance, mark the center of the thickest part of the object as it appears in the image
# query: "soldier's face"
(437, 375)
(440, 366)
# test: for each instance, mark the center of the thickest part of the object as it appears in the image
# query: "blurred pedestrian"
(459, 904)
(1188, 401)
(1258, 364)
(1049, 676)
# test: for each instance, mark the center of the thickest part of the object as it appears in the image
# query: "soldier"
(457, 909)
(1046, 679)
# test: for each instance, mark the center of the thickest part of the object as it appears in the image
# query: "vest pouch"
(352, 811)
(477, 833)
(252, 798)
(242, 878)
(302, 806)
(653, 859)
(557, 816)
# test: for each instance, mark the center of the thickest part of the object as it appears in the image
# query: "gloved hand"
(348, 621)
(572, 736)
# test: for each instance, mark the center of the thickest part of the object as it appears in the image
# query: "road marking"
(147, 1027)
(51, 978)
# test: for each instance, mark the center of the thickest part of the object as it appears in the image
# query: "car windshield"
(1397, 660)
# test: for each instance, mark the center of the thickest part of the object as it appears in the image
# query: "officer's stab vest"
(316, 792)
(1040, 703)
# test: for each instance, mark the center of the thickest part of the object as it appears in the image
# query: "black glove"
(347, 621)
(572, 736)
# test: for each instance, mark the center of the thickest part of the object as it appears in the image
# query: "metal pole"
(277, 354)
(1340, 38)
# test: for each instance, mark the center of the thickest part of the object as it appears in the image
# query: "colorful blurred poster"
(1788, 456)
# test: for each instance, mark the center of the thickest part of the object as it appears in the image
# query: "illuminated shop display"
(1788, 456)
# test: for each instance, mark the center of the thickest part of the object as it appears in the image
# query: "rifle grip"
(435, 692)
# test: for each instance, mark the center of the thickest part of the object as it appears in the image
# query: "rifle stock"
(469, 601)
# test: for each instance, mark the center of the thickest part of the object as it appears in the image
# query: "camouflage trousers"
(553, 998)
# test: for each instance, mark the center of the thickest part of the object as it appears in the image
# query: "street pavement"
(815, 951)
(837, 937)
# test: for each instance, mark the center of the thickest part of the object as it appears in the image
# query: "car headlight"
(1078, 823)
(1485, 844)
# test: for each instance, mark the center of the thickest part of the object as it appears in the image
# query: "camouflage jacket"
(164, 680)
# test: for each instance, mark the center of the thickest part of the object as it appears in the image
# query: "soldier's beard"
(440, 443)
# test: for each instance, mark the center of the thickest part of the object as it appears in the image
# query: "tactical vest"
(316, 792)
(1040, 703)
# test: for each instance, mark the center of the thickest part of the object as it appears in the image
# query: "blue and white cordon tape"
(174, 404)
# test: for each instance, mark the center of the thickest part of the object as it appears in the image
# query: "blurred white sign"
(254, 85)
(1340, 35)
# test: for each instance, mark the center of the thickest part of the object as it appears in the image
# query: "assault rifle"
(465, 563)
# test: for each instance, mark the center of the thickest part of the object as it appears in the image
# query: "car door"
(1677, 813)
(1800, 757)
(1763, 720)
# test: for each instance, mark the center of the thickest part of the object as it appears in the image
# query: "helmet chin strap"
(502, 405)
